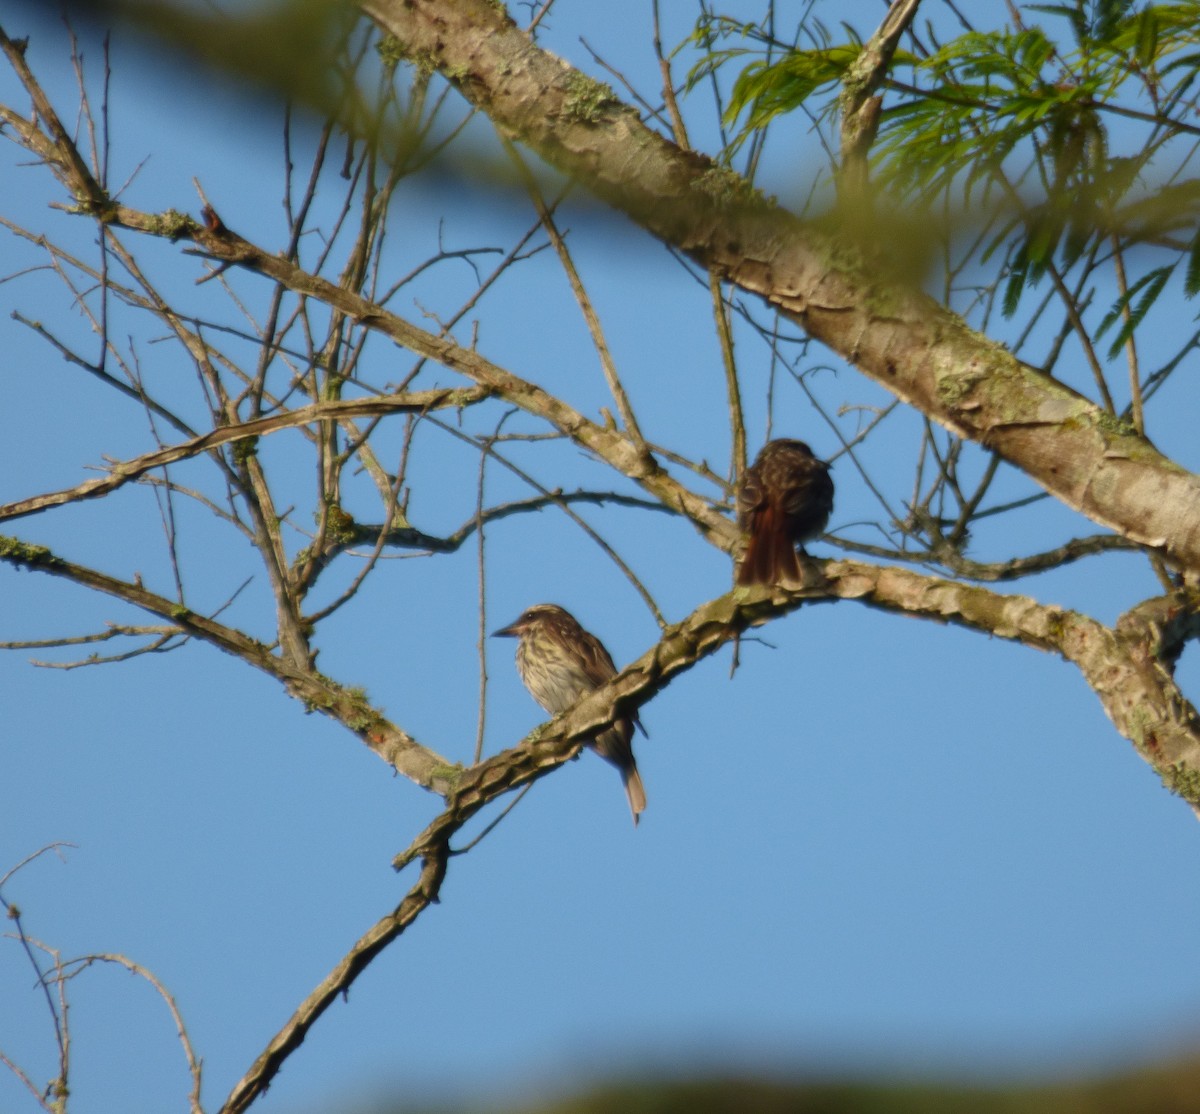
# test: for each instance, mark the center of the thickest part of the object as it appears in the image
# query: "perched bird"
(559, 662)
(785, 498)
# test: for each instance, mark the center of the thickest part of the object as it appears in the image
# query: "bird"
(784, 499)
(559, 662)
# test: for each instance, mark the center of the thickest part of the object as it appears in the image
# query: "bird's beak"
(511, 631)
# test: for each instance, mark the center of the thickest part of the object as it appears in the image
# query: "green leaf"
(1022, 272)
(1191, 281)
(1145, 48)
(771, 89)
(1149, 286)
(1073, 14)
(1189, 62)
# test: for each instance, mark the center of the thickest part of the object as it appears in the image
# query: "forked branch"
(1112, 662)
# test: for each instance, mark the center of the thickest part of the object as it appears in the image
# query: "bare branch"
(72, 967)
(387, 929)
(737, 420)
(348, 706)
(1014, 568)
(122, 473)
(611, 376)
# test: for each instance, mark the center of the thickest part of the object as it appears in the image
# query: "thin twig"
(737, 420)
(123, 472)
(1131, 353)
(611, 377)
(562, 505)
(481, 577)
(73, 967)
(678, 128)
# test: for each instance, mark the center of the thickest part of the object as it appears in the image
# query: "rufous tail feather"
(770, 556)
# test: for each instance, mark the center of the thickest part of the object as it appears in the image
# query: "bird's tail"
(635, 791)
(770, 556)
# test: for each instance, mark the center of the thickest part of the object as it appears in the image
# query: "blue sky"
(884, 846)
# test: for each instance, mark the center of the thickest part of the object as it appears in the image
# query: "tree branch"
(349, 707)
(388, 928)
(123, 472)
(860, 103)
(839, 291)
(1136, 691)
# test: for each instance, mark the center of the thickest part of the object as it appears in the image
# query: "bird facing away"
(785, 499)
(560, 662)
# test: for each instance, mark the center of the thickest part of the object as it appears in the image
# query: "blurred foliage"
(1071, 124)
(1169, 1089)
(294, 48)
(1076, 120)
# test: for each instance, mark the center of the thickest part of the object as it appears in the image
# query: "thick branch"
(701, 634)
(1131, 690)
(1128, 669)
(860, 103)
(838, 291)
(338, 981)
(1137, 692)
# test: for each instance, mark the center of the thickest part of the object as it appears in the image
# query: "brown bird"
(560, 662)
(785, 499)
